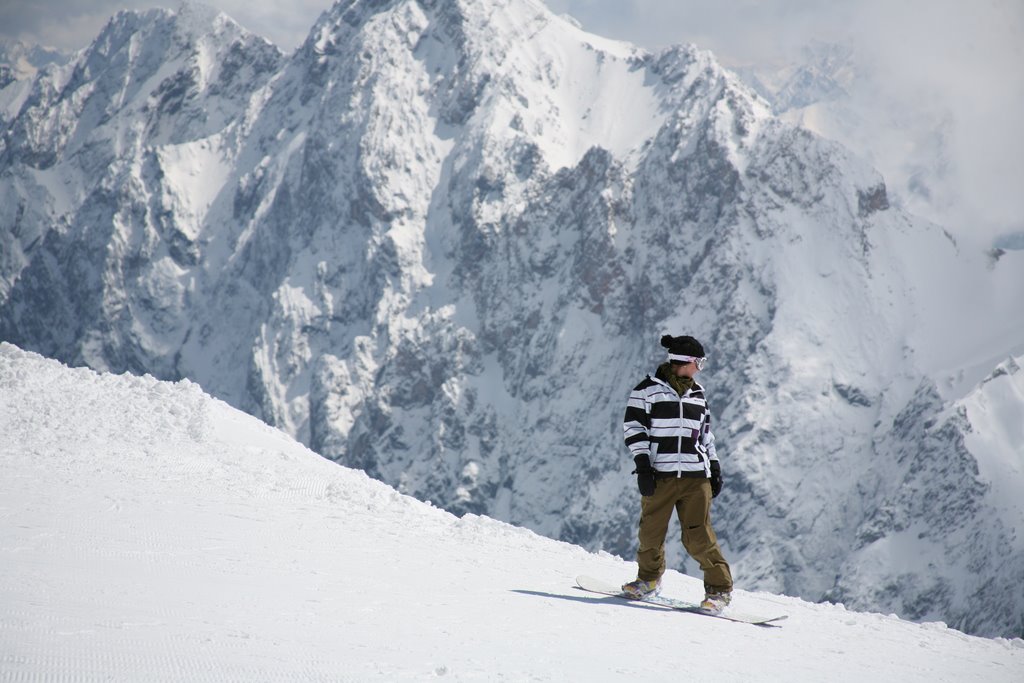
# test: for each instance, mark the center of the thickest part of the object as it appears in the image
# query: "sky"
(930, 35)
(961, 60)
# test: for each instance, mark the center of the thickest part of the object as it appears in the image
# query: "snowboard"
(597, 586)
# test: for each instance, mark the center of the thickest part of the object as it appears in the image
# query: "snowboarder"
(668, 432)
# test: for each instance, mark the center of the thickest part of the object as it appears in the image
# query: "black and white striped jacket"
(674, 430)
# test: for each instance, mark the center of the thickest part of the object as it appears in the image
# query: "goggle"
(686, 360)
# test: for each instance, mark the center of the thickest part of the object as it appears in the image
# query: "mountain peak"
(21, 61)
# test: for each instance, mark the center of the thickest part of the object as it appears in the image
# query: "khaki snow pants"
(691, 499)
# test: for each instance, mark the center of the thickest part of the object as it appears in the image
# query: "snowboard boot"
(715, 602)
(640, 589)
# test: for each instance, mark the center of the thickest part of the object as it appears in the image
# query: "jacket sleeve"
(707, 438)
(637, 424)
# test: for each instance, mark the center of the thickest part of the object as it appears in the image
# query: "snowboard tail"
(593, 585)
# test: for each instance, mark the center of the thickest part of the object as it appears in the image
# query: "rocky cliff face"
(439, 243)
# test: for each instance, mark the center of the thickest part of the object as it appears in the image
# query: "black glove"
(644, 475)
(716, 478)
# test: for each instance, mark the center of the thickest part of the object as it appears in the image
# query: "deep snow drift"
(150, 532)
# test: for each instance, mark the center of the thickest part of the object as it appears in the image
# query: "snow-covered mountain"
(154, 533)
(903, 127)
(19, 64)
(825, 73)
(440, 241)
(21, 61)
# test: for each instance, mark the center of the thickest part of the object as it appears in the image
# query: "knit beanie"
(682, 348)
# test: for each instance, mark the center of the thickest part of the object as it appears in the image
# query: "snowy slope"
(153, 533)
(439, 241)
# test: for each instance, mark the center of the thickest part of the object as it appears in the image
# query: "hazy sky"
(965, 55)
(738, 31)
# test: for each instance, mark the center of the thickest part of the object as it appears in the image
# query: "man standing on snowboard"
(668, 431)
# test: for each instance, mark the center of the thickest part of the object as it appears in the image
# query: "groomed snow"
(149, 532)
